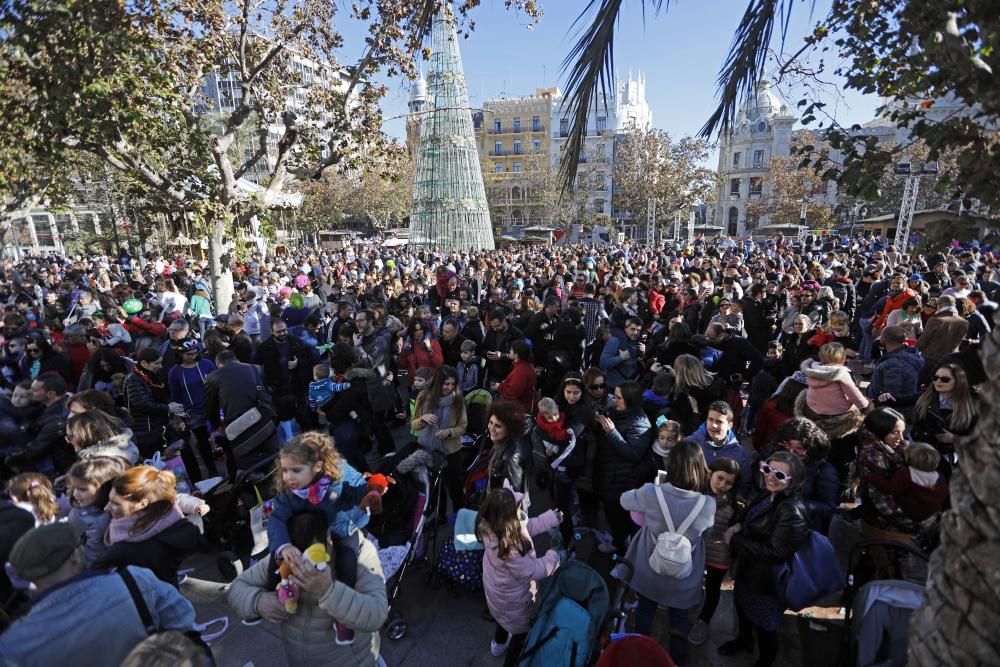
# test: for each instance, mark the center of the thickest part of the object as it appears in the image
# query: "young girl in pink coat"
(831, 389)
(511, 568)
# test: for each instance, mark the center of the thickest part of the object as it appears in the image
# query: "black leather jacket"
(767, 540)
(509, 461)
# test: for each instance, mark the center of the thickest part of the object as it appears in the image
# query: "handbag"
(810, 575)
(252, 428)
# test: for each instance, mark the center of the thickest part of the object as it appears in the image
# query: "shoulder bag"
(810, 575)
(255, 426)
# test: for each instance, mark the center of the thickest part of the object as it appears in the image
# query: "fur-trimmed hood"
(817, 373)
(117, 446)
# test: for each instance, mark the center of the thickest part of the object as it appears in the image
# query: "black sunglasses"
(942, 378)
(597, 387)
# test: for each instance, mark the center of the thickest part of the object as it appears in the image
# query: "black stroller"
(405, 530)
(240, 505)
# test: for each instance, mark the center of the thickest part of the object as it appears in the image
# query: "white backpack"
(672, 555)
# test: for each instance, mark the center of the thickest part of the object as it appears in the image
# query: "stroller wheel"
(230, 565)
(396, 629)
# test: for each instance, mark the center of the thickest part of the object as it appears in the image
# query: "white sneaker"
(699, 632)
(497, 650)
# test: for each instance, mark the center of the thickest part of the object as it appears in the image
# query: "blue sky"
(680, 52)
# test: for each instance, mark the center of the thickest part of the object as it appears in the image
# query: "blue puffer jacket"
(896, 373)
(616, 369)
(730, 448)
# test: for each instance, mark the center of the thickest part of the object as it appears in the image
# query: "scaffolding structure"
(449, 208)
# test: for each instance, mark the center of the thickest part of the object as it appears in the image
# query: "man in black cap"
(83, 618)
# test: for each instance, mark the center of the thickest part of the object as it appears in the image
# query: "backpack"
(672, 555)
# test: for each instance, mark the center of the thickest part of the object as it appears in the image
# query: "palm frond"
(747, 55)
(591, 69)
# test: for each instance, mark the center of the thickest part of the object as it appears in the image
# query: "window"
(536, 124)
(536, 145)
(564, 127)
(758, 159)
(517, 168)
(496, 126)
(497, 168)
(734, 187)
(737, 158)
(498, 148)
(517, 147)
(517, 123)
(598, 206)
(756, 185)
(602, 123)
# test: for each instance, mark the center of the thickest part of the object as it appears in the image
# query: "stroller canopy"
(568, 621)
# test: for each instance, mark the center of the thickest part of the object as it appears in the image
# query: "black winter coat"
(768, 540)
(148, 406)
(232, 390)
(624, 455)
(162, 553)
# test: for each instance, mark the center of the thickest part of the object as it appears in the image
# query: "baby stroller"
(405, 529)
(879, 599)
(566, 629)
(240, 505)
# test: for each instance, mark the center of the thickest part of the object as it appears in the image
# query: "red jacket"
(891, 303)
(769, 420)
(140, 327)
(656, 301)
(519, 385)
(917, 502)
(418, 356)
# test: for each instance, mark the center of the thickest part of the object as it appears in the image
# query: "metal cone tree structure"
(449, 208)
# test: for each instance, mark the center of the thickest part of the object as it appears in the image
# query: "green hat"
(43, 550)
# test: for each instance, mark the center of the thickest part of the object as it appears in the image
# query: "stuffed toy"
(378, 484)
(288, 593)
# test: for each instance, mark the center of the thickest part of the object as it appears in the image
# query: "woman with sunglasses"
(948, 408)
(40, 358)
(774, 527)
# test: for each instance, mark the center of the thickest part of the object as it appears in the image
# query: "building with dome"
(762, 130)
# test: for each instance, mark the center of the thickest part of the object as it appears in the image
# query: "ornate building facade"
(762, 130)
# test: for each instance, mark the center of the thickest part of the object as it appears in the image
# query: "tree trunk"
(957, 624)
(219, 260)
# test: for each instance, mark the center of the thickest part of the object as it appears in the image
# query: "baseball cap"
(43, 550)
(916, 277)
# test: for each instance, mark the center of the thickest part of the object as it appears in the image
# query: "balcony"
(496, 153)
(521, 130)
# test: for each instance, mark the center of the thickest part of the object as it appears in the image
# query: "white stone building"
(762, 130)
(626, 108)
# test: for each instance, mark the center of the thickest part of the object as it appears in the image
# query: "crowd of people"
(741, 393)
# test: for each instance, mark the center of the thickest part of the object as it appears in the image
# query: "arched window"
(515, 192)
